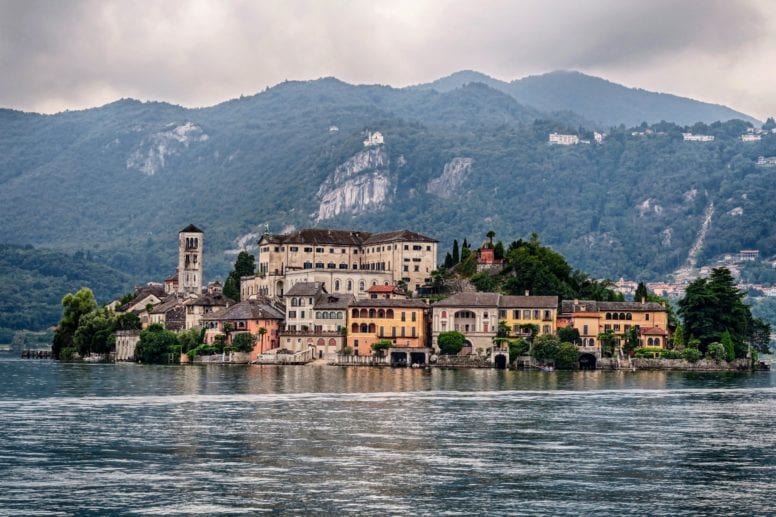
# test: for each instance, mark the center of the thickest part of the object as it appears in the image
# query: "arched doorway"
(467, 349)
(587, 362)
(501, 361)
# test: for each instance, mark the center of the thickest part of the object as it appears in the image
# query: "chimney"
(527, 292)
(643, 300)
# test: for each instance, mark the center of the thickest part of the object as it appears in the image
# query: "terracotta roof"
(324, 237)
(191, 229)
(249, 310)
(210, 300)
(305, 289)
(653, 331)
(384, 289)
(570, 306)
(167, 304)
(383, 302)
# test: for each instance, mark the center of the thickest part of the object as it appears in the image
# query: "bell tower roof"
(191, 229)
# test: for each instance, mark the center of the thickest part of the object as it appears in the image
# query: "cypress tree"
(448, 261)
(641, 293)
(456, 257)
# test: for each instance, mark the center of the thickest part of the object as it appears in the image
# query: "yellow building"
(403, 322)
(477, 316)
(592, 318)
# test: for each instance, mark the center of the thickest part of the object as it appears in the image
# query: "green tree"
(449, 261)
(677, 340)
(503, 329)
(263, 331)
(379, 347)
(545, 348)
(74, 307)
(498, 251)
(490, 236)
(567, 357)
(717, 352)
(568, 335)
(517, 347)
(245, 265)
(128, 321)
(641, 292)
(156, 344)
(456, 256)
(95, 333)
(243, 342)
(727, 344)
(631, 341)
(609, 342)
(189, 339)
(451, 342)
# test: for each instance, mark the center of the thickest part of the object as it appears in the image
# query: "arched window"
(372, 328)
(614, 316)
(361, 285)
(308, 264)
(657, 341)
(317, 315)
(294, 302)
(444, 314)
(372, 313)
(380, 313)
(389, 313)
(608, 315)
(649, 342)
(374, 282)
(332, 342)
(336, 285)
(339, 315)
(629, 316)
(364, 313)
(350, 285)
(332, 315)
(622, 315)
(354, 328)
(364, 328)
(319, 265)
(331, 265)
(321, 342)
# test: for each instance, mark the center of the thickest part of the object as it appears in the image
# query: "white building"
(689, 137)
(769, 161)
(751, 138)
(599, 137)
(559, 139)
(373, 139)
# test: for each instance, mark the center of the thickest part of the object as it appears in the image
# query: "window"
(331, 250)
(403, 332)
(292, 314)
(546, 329)
(318, 315)
(414, 316)
(308, 265)
(355, 266)
(607, 327)
(277, 248)
(331, 265)
(301, 314)
(516, 314)
(361, 285)
(308, 250)
(319, 265)
(536, 314)
(616, 327)
(319, 250)
(350, 285)
(417, 247)
(646, 316)
(584, 330)
(406, 247)
(336, 285)
(406, 268)
(485, 315)
(343, 265)
(428, 248)
(393, 331)
(413, 332)
(417, 268)
(404, 316)
(382, 331)
(527, 314)
(547, 315)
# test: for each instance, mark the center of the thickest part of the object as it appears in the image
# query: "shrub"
(567, 356)
(648, 352)
(546, 347)
(450, 343)
(347, 351)
(691, 354)
(517, 347)
(717, 352)
(670, 354)
(243, 342)
(379, 347)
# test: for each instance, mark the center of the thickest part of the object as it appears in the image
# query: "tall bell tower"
(190, 266)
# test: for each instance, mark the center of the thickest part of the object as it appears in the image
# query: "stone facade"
(126, 342)
(190, 265)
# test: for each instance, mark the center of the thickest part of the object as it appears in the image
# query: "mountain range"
(460, 156)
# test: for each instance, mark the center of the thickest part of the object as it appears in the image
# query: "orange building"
(248, 316)
(402, 322)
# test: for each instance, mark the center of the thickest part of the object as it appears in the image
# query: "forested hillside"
(121, 180)
(35, 280)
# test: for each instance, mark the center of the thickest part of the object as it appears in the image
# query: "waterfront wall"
(227, 358)
(702, 365)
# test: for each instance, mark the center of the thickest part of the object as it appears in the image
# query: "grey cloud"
(59, 55)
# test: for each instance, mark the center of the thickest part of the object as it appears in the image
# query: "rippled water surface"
(117, 439)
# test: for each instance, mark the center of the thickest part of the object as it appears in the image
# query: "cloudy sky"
(57, 55)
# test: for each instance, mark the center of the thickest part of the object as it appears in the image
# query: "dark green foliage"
(190, 339)
(568, 335)
(243, 342)
(517, 347)
(127, 321)
(379, 347)
(567, 357)
(692, 355)
(498, 251)
(641, 292)
(670, 354)
(609, 343)
(456, 255)
(485, 282)
(545, 348)
(716, 352)
(156, 345)
(450, 343)
(727, 345)
(95, 333)
(449, 261)
(713, 311)
(74, 307)
(503, 329)
(648, 352)
(245, 265)
(631, 340)
(33, 281)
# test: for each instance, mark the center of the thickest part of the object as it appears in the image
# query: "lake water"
(118, 439)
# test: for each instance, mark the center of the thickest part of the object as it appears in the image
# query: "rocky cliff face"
(362, 182)
(153, 152)
(453, 176)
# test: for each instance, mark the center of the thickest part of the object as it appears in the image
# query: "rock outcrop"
(453, 176)
(361, 183)
(152, 153)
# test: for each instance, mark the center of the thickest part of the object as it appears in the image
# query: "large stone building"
(477, 315)
(405, 256)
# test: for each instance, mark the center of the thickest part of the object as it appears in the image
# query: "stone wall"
(681, 364)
